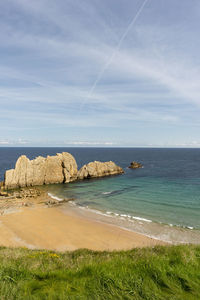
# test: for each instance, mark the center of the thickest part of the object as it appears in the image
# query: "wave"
(55, 197)
(142, 219)
(135, 218)
(144, 226)
(106, 193)
(187, 227)
(112, 214)
(120, 191)
(121, 216)
(98, 212)
(127, 216)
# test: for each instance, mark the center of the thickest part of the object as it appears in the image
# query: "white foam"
(121, 216)
(95, 211)
(112, 214)
(55, 197)
(188, 227)
(142, 219)
(131, 219)
(106, 193)
(72, 203)
(124, 216)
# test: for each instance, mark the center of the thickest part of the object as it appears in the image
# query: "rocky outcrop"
(54, 202)
(99, 169)
(135, 165)
(60, 168)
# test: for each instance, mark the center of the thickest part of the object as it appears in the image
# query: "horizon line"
(109, 147)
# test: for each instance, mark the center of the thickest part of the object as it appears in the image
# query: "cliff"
(60, 168)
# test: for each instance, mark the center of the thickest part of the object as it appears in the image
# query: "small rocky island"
(61, 168)
(99, 169)
(135, 165)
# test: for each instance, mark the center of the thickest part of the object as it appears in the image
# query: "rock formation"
(60, 168)
(99, 169)
(135, 165)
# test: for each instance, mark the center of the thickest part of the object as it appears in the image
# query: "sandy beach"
(43, 227)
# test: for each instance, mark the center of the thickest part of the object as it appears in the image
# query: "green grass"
(150, 273)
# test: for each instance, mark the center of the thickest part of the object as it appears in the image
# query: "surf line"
(117, 48)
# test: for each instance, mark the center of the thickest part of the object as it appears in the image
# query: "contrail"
(107, 64)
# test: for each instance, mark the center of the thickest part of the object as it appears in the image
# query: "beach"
(40, 226)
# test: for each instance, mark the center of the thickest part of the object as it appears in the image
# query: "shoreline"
(37, 219)
(157, 231)
(61, 228)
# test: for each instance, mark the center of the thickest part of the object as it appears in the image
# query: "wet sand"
(159, 231)
(40, 227)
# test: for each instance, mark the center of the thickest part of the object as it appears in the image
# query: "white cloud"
(14, 142)
(89, 143)
(4, 142)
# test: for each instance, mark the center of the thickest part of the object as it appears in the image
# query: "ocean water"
(166, 190)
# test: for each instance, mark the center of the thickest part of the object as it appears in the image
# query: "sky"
(100, 73)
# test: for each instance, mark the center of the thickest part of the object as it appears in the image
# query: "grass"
(150, 273)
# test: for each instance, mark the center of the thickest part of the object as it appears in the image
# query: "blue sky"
(100, 73)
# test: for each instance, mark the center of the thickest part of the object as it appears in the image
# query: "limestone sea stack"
(60, 168)
(99, 169)
(135, 165)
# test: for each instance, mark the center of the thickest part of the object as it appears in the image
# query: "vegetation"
(150, 273)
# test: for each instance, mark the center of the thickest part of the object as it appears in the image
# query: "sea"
(161, 200)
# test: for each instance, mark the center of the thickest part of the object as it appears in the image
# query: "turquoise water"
(170, 202)
(166, 190)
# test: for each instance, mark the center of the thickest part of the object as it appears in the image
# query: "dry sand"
(50, 228)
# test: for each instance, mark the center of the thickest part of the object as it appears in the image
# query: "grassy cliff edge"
(171, 272)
